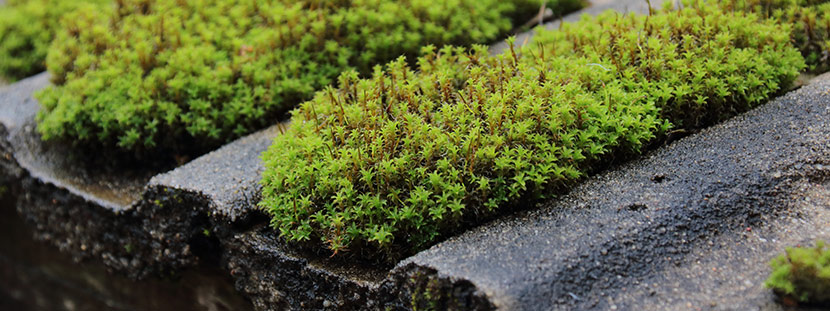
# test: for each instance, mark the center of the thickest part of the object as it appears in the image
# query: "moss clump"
(156, 74)
(809, 21)
(26, 30)
(690, 67)
(803, 273)
(387, 165)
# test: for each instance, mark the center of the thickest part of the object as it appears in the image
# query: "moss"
(803, 273)
(809, 21)
(428, 296)
(151, 75)
(656, 55)
(26, 29)
(385, 166)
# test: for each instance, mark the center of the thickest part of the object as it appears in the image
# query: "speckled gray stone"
(228, 177)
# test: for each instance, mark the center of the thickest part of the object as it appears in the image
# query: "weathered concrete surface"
(228, 177)
(73, 204)
(725, 272)
(276, 278)
(605, 244)
(36, 276)
(111, 185)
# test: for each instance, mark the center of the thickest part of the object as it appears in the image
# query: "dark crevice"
(636, 207)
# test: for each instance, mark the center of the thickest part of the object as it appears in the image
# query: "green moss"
(26, 29)
(388, 165)
(155, 74)
(802, 273)
(653, 54)
(809, 21)
(427, 296)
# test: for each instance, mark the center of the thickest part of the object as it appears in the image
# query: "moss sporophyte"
(384, 166)
(151, 75)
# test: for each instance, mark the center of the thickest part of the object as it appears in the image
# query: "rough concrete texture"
(86, 208)
(691, 224)
(74, 205)
(303, 284)
(725, 273)
(228, 177)
(37, 276)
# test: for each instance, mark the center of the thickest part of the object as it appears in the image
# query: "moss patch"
(803, 273)
(163, 74)
(386, 166)
(26, 30)
(809, 21)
